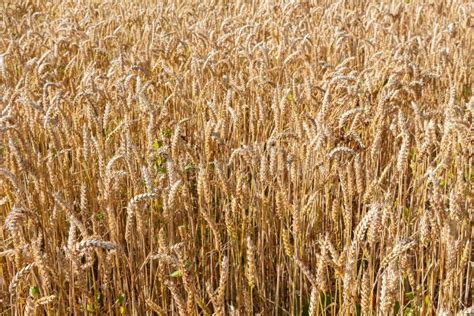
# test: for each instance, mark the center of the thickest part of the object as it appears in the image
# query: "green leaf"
(157, 144)
(450, 175)
(100, 216)
(305, 311)
(189, 167)
(409, 311)
(160, 165)
(90, 308)
(34, 291)
(396, 308)
(406, 212)
(427, 301)
(291, 97)
(167, 132)
(410, 296)
(326, 299)
(177, 274)
(161, 170)
(121, 298)
(443, 183)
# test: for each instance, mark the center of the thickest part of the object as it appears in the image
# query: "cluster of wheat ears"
(236, 157)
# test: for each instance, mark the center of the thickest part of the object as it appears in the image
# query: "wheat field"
(236, 157)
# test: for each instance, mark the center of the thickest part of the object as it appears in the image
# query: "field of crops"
(236, 157)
